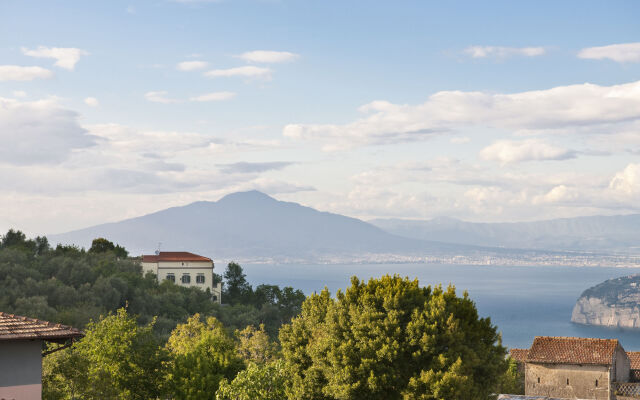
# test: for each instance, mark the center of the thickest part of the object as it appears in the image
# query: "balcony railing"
(627, 390)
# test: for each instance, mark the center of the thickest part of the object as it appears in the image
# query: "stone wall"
(622, 366)
(567, 381)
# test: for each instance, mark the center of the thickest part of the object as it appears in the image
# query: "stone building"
(634, 359)
(184, 269)
(575, 368)
(21, 352)
(519, 355)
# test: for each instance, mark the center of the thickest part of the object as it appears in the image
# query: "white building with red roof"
(184, 269)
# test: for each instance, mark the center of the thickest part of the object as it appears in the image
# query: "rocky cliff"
(614, 303)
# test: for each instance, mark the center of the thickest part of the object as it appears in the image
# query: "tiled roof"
(519, 354)
(174, 256)
(634, 359)
(523, 397)
(15, 327)
(571, 350)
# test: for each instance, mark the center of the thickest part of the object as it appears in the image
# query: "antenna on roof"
(159, 246)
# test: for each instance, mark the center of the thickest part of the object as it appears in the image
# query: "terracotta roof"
(634, 359)
(523, 397)
(174, 256)
(519, 354)
(15, 327)
(572, 350)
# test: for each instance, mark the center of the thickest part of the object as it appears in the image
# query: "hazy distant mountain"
(250, 225)
(617, 233)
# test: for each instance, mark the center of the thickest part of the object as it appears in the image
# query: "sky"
(484, 111)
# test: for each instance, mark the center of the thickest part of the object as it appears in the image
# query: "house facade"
(21, 352)
(184, 269)
(575, 368)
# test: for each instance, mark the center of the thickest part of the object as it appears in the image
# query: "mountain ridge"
(616, 233)
(254, 227)
(250, 225)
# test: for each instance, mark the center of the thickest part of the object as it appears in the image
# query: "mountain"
(619, 233)
(251, 226)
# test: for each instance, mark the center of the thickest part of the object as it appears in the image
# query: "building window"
(186, 278)
(171, 277)
(538, 379)
(200, 278)
(596, 383)
(567, 381)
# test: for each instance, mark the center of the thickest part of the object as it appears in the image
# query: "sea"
(523, 302)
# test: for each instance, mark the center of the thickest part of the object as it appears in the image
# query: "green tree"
(258, 381)
(117, 359)
(13, 238)
(254, 345)
(512, 381)
(237, 289)
(202, 354)
(392, 339)
(101, 245)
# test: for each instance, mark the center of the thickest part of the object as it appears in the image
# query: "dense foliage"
(267, 305)
(392, 339)
(202, 354)
(388, 338)
(117, 359)
(258, 381)
(73, 286)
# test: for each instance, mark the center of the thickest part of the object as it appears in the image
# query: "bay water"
(523, 302)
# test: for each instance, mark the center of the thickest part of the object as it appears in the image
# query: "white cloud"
(248, 71)
(267, 57)
(625, 52)
(18, 73)
(192, 65)
(66, 57)
(503, 52)
(460, 140)
(627, 181)
(19, 93)
(569, 108)
(39, 132)
(215, 96)
(558, 194)
(508, 151)
(91, 102)
(159, 97)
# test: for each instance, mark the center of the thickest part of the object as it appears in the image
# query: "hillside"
(600, 233)
(612, 303)
(252, 226)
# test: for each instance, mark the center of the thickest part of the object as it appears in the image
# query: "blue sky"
(485, 111)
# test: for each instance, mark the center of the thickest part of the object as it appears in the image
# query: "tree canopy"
(202, 354)
(102, 245)
(392, 339)
(116, 359)
(72, 286)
